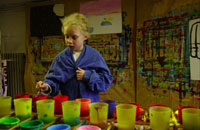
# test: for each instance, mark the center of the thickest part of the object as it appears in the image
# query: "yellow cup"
(98, 114)
(5, 105)
(159, 117)
(23, 108)
(45, 110)
(191, 119)
(71, 112)
(126, 114)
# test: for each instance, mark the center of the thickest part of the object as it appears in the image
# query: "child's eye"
(74, 37)
(66, 36)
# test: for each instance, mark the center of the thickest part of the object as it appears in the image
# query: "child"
(79, 71)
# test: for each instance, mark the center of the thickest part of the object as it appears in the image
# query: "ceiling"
(15, 3)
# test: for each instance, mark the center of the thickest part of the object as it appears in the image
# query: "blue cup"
(59, 127)
(111, 107)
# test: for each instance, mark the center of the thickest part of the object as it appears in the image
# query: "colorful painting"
(104, 16)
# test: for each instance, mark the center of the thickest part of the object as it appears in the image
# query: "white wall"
(13, 28)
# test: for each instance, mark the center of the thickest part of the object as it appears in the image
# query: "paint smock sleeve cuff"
(87, 75)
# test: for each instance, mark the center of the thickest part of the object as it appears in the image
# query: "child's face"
(74, 38)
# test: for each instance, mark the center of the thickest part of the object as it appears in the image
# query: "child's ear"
(86, 36)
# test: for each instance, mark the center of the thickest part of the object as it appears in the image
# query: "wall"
(159, 86)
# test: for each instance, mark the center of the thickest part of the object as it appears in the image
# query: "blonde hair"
(76, 19)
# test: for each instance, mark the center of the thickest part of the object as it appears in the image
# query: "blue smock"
(62, 74)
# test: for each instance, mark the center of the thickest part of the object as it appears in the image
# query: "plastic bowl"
(32, 125)
(59, 127)
(7, 122)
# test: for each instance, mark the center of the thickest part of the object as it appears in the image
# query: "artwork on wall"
(163, 54)
(104, 16)
(194, 41)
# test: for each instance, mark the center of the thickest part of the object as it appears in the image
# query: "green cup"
(159, 117)
(5, 107)
(98, 114)
(191, 119)
(23, 108)
(71, 112)
(126, 114)
(45, 110)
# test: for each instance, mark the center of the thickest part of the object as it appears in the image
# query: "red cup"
(36, 98)
(84, 106)
(137, 109)
(22, 95)
(58, 103)
(180, 111)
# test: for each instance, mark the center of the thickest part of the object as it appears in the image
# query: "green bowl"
(8, 122)
(32, 125)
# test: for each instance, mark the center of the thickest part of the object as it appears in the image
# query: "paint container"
(71, 112)
(111, 107)
(45, 110)
(98, 114)
(32, 125)
(191, 119)
(8, 122)
(137, 109)
(23, 108)
(58, 103)
(84, 106)
(22, 95)
(180, 108)
(159, 117)
(37, 98)
(162, 105)
(5, 107)
(126, 114)
(59, 127)
(88, 127)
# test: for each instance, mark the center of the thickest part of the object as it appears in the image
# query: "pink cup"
(88, 127)
(58, 103)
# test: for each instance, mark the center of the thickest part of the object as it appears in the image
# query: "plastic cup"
(32, 125)
(191, 119)
(98, 114)
(59, 127)
(159, 117)
(126, 114)
(111, 107)
(180, 111)
(137, 109)
(71, 112)
(88, 127)
(5, 107)
(8, 122)
(23, 108)
(84, 106)
(58, 103)
(37, 98)
(22, 95)
(45, 110)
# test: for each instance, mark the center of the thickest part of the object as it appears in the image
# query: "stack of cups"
(191, 119)
(58, 103)
(45, 110)
(159, 117)
(23, 108)
(98, 114)
(84, 106)
(126, 114)
(5, 107)
(71, 112)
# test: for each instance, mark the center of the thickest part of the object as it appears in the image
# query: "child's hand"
(80, 73)
(41, 86)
